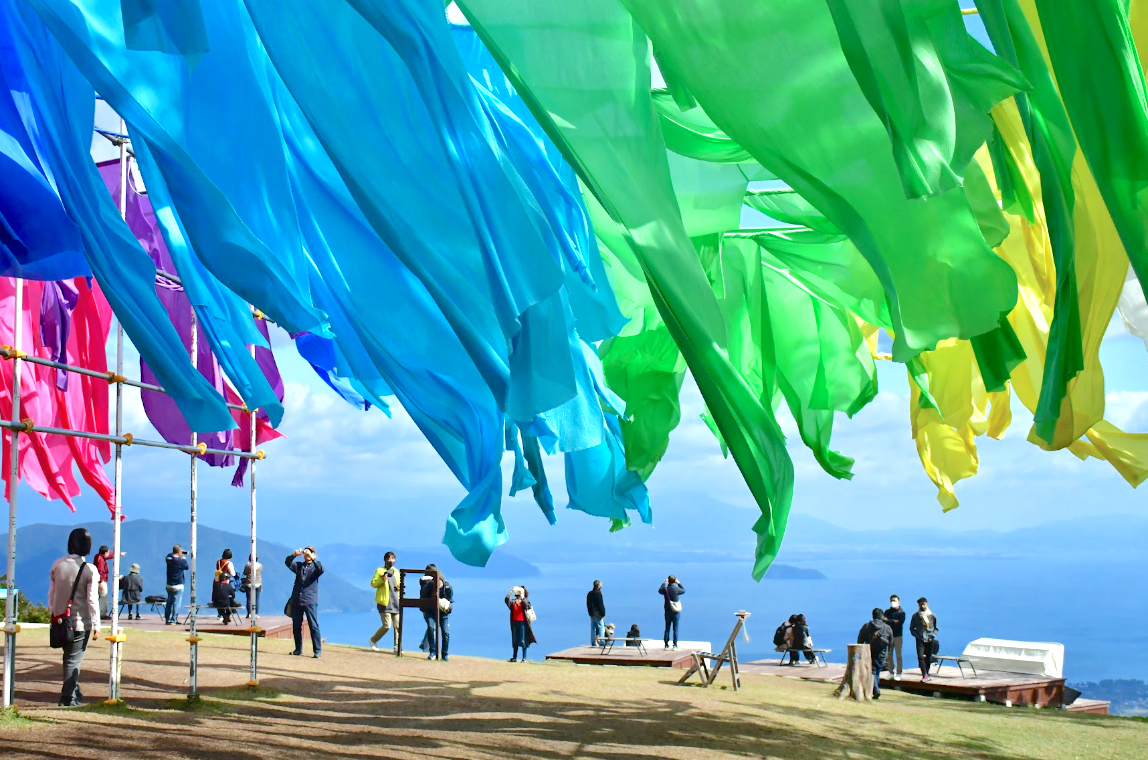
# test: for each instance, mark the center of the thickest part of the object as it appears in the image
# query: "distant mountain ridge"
(148, 542)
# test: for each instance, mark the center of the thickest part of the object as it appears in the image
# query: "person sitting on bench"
(223, 596)
(633, 636)
(131, 590)
(799, 640)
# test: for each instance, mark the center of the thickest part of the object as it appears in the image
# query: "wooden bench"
(959, 659)
(606, 644)
(818, 656)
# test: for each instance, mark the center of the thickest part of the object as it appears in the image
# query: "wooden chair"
(708, 671)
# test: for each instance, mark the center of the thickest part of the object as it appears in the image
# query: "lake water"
(1097, 614)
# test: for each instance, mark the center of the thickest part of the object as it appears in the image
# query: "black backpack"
(779, 634)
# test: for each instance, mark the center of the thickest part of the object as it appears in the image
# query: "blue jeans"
(312, 613)
(253, 593)
(878, 666)
(518, 636)
(429, 638)
(597, 629)
(171, 609)
(671, 620)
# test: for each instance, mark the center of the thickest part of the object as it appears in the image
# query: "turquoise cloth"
(197, 118)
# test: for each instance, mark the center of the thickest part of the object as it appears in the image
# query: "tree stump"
(858, 681)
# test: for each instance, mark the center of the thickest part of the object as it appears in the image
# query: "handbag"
(675, 606)
(531, 616)
(935, 647)
(289, 608)
(62, 630)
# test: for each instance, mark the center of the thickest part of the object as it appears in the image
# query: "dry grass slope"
(358, 704)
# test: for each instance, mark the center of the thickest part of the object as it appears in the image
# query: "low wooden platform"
(655, 656)
(1090, 706)
(274, 626)
(990, 686)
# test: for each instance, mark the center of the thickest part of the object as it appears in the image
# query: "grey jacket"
(86, 606)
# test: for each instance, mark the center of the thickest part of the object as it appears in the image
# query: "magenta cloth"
(81, 406)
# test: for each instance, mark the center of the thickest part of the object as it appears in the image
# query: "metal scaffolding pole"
(116, 638)
(253, 681)
(192, 638)
(10, 627)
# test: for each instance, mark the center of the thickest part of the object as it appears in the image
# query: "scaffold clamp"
(201, 448)
(10, 629)
(259, 454)
(28, 424)
(128, 438)
(12, 353)
(114, 378)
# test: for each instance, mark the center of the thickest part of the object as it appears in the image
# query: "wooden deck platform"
(274, 626)
(655, 657)
(990, 686)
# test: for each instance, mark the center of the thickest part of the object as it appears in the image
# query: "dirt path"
(357, 704)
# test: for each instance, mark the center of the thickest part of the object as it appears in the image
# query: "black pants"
(924, 655)
(73, 658)
(312, 613)
(795, 655)
(128, 607)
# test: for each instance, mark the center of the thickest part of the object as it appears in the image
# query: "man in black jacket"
(305, 598)
(878, 635)
(923, 626)
(596, 608)
(895, 617)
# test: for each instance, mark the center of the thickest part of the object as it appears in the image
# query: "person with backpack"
(521, 616)
(923, 628)
(73, 600)
(878, 635)
(672, 591)
(131, 591)
(783, 635)
(385, 582)
(895, 617)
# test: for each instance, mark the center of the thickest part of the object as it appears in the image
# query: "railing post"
(10, 627)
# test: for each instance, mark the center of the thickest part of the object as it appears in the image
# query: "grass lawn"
(354, 703)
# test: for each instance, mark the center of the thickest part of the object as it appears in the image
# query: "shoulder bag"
(531, 615)
(62, 630)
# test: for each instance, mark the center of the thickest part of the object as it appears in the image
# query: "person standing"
(445, 593)
(73, 590)
(101, 563)
(924, 629)
(386, 585)
(521, 610)
(895, 617)
(176, 576)
(596, 608)
(878, 635)
(672, 591)
(131, 591)
(305, 598)
(253, 583)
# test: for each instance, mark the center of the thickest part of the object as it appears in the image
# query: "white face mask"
(894, 604)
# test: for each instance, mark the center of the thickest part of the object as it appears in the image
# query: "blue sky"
(344, 475)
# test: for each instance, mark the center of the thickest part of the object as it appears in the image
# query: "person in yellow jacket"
(386, 585)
